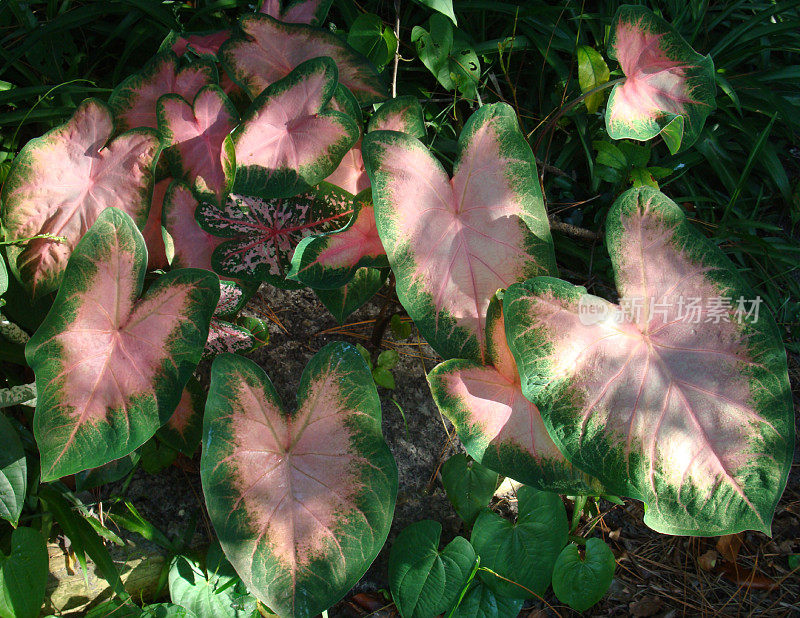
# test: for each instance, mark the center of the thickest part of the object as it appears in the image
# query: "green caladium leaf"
(678, 396)
(301, 502)
(453, 243)
(109, 366)
(184, 429)
(60, 183)
(592, 72)
(109, 473)
(23, 575)
(290, 139)
(668, 86)
(353, 295)
(425, 581)
(262, 233)
(524, 551)
(496, 424)
(481, 602)
(13, 472)
(267, 51)
(580, 582)
(469, 486)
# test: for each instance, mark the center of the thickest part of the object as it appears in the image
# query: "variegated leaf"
(263, 233)
(223, 335)
(268, 50)
(201, 43)
(192, 245)
(196, 137)
(676, 396)
(496, 424)
(109, 366)
(453, 243)
(153, 238)
(667, 83)
(301, 501)
(288, 141)
(134, 100)
(184, 429)
(60, 182)
(311, 12)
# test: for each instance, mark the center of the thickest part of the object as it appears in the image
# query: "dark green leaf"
(580, 582)
(469, 486)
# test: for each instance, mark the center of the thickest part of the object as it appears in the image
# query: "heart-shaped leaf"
(496, 424)
(592, 73)
(196, 138)
(263, 233)
(469, 486)
(449, 55)
(201, 43)
(453, 243)
(369, 35)
(134, 100)
(302, 501)
(677, 396)
(152, 232)
(525, 551)
(60, 182)
(110, 368)
(268, 50)
(13, 472)
(580, 582)
(481, 602)
(184, 428)
(667, 83)
(224, 336)
(425, 581)
(192, 245)
(23, 575)
(343, 301)
(311, 12)
(288, 141)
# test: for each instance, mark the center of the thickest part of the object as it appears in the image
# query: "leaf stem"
(528, 590)
(397, 50)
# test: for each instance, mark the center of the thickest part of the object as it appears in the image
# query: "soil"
(657, 575)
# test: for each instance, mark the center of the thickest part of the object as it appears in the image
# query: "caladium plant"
(668, 88)
(453, 242)
(267, 50)
(301, 501)
(311, 12)
(496, 424)
(679, 396)
(152, 232)
(184, 428)
(192, 246)
(224, 335)
(60, 183)
(200, 43)
(110, 367)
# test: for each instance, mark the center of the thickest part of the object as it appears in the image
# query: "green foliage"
(581, 581)
(23, 575)
(13, 472)
(469, 486)
(376, 41)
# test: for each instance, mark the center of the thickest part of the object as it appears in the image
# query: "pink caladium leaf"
(496, 424)
(263, 233)
(196, 137)
(268, 50)
(134, 100)
(223, 335)
(184, 429)
(288, 141)
(452, 243)
(110, 366)
(301, 501)
(353, 295)
(60, 182)
(153, 238)
(329, 261)
(668, 86)
(205, 43)
(192, 246)
(678, 396)
(311, 12)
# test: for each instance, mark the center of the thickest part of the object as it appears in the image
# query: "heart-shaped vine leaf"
(453, 243)
(264, 233)
(153, 231)
(288, 141)
(496, 424)
(60, 182)
(201, 43)
(329, 261)
(184, 428)
(679, 396)
(302, 501)
(196, 138)
(580, 582)
(110, 367)
(668, 86)
(425, 581)
(481, 602)
(192, 246)
(13, 472)
(469, 486)
(343, 301)
(311, 12)
(525, 551)
(134, 100)
(268, 50)
(23, 574)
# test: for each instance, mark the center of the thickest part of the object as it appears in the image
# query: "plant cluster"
(272, 152)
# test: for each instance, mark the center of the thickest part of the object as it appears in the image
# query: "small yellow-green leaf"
(592, 72)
